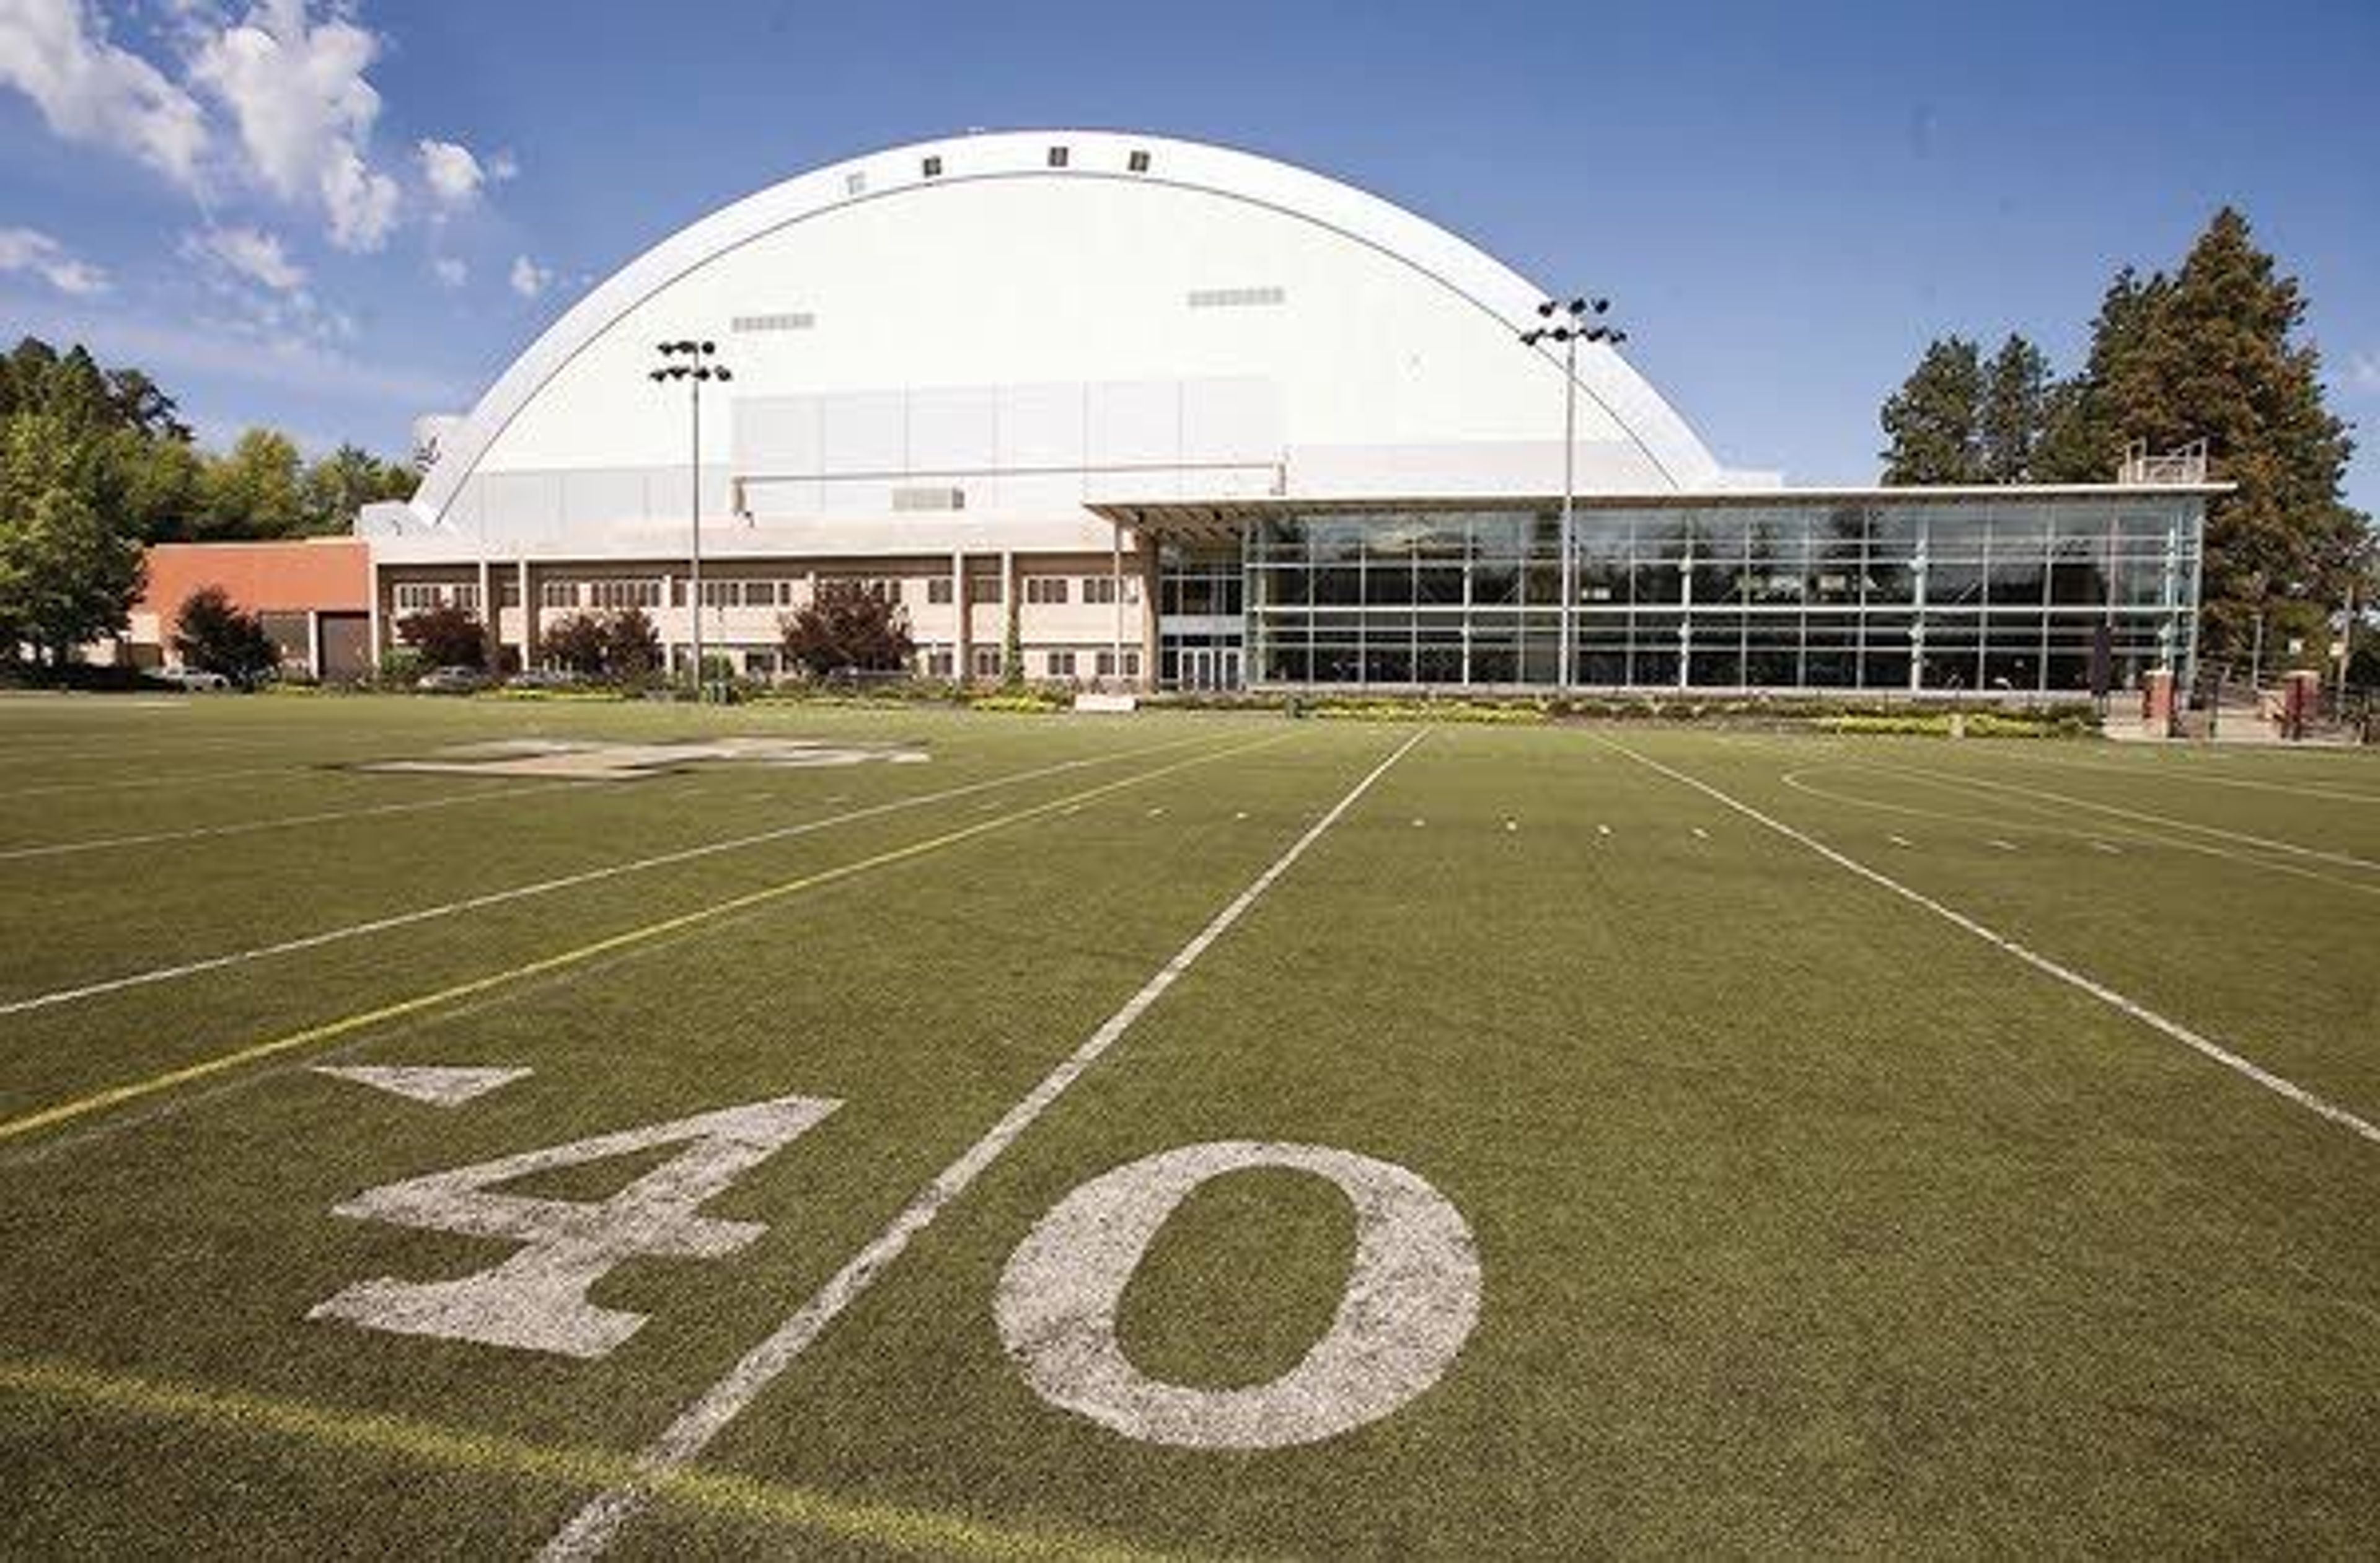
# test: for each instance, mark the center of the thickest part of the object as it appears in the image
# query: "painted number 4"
(1410, 1300)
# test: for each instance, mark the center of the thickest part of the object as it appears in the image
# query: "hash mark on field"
(2004, 846)
(1157, 810)
(1603, 829)
(1901, 841)
(2108, 847)
(592, 1529)
(1419, 823)
(1241, 815)
(1701, 834)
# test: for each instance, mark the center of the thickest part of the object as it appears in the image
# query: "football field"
(642, 1131)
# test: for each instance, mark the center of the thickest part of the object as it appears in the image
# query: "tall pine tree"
(1933, 421)
(2009, 424)
(2214, 355)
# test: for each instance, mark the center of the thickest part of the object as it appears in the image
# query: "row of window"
(614, 593)
(421, 597)
(1137, 161)
(1057, 664)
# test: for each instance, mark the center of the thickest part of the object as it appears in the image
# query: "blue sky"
(331, 218)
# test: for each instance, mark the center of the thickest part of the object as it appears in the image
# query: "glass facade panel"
(2010, 594)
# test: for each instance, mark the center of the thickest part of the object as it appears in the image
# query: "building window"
(1045, 588)
(557, 594)
(759, 594)
(939, 663)
(1060, 664)
(616, 595)
(987, 662)
(1137, 163)
(933, 168)
(1057, 157)
(1100, 590)
(855, 184)
(509, 594)
(421, 597)
(721, 594)
(937, 590)
(1106, 665)
(984, 589)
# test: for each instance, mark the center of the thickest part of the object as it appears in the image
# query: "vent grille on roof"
(925, 497)
(1236, 298)
(802, 320)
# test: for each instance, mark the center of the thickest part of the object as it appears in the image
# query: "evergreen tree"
(2215, 356)
(1933, 421)
(2015, 401)
(2083, 438)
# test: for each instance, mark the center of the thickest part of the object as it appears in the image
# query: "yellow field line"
(116, 1095)
(427, 1443)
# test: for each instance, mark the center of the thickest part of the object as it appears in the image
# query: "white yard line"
(1798, 781)
(591, 1529)
(281, 822)
(2140, 816)
(2287, 1089)
(2168, 772)
(544, 887)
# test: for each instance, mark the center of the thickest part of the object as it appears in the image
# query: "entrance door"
(1197, 667)
(1226, 667)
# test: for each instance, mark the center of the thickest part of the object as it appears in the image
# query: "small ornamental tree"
(846, 627)
(446, 636)
(212, 635)
(575, 644)
(632, 647)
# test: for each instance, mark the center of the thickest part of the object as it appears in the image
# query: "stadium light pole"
(1578, 320)
(694, 362)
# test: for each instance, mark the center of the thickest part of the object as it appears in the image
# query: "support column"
(521, 584)
(314, 642)
(372, 597)
(1012, 614)
(491, 640)
(1149, 568)
(962, 647)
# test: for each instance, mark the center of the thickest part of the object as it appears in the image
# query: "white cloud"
(529, 278)
(2363, 370)
(251, 253)
(57, 53)
(454, 174)
(296, 89)
(450, 272)
(22, 250)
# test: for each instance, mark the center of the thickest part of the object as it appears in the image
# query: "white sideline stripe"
(2275, 1083)
(245, 826)
(2171, 773)
(544, 887)
(593, 1528)
(2140, 816)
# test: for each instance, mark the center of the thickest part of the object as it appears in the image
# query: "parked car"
(194, 679)
(544, 678)
(451, 680)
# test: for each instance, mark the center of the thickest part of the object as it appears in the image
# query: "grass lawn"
(1589, 1138)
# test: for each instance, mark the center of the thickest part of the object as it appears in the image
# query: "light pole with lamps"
(693, 362)
(1574, 322)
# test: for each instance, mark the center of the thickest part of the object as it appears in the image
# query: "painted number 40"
(1410, 1301)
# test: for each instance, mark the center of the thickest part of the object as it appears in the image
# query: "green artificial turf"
(1806, 1220)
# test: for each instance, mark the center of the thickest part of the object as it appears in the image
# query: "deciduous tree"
(846, 627)
(211, 633)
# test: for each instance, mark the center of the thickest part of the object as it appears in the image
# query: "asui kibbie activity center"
(1202, 419)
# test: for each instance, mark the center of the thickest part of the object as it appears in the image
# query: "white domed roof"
(1042, 318)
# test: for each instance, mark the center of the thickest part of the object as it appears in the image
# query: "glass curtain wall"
(2000, 596)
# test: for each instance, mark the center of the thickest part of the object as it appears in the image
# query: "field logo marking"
(1411, 1300)
(2287, 1089)
(438, 1086)
(593, 1527)
(536, 1300)
(588, 760)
